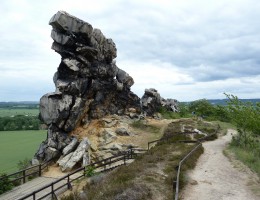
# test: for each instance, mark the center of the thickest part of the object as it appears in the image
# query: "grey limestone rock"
(151, 101)
(69, 161)
(65, 22)
(89, 85)
(70, 147)
(54, 107)
(109, 135)
(170, 104)
(123, 131)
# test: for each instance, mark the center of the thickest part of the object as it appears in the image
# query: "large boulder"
(151, 101)
(70, 160)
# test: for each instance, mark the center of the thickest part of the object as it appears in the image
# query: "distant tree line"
(19, 122)
(200, 108)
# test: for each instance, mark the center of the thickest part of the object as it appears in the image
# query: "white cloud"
(185, 49)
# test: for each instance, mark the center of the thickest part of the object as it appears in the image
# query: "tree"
(202, 108)
(246, 117)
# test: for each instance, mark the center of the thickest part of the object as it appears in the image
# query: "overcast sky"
(186, 49)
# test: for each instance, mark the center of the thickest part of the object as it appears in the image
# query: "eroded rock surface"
(89, 85)
(152, 102)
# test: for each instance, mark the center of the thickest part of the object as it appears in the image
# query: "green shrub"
(168, 114)
(89, 171)
(5, 184)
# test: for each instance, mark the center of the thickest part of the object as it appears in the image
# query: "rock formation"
(152, 102)
(88, 83)
(89, 87)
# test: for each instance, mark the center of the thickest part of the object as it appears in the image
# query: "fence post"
(23, 176)
(52, 190)
(131, 153)
(68, 180)
(40, 170)
(69, 184)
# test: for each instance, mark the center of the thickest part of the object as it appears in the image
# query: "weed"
(89, 171)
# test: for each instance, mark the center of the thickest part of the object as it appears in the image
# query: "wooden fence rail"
(66, 181)
(20, 177)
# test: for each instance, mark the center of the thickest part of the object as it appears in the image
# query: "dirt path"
(215, 178)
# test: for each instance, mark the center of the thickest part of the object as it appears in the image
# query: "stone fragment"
(70, 147)
(123, 132)
(86, 159)
(64, 159)
(109, 135)
(68, 164)
(63, 21)
(51, 153)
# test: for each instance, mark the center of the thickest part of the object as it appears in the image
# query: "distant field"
(7, 112)
(16, 146)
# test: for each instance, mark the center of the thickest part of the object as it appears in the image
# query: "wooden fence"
(20, 177)
(64, 182)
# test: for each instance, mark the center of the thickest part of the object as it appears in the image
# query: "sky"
(186, 49)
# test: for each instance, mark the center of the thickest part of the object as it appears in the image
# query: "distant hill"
(223, 101)
(19, 104)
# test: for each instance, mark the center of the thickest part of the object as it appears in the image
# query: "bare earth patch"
(216, 177)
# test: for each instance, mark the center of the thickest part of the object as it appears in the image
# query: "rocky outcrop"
(152, 102)
(170, 104)
(89, 85)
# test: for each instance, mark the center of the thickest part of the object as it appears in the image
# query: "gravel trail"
(215, 178)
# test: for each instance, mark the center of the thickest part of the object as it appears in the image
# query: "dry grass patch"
(150, 176)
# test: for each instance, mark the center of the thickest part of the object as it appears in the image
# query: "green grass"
(247, 157)
(7, 112)
(16, 146)
(224, 126)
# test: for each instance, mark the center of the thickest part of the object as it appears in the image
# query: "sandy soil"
(216, 178)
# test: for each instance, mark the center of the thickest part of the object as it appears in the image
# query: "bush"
(168, 114)
(5, 184)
